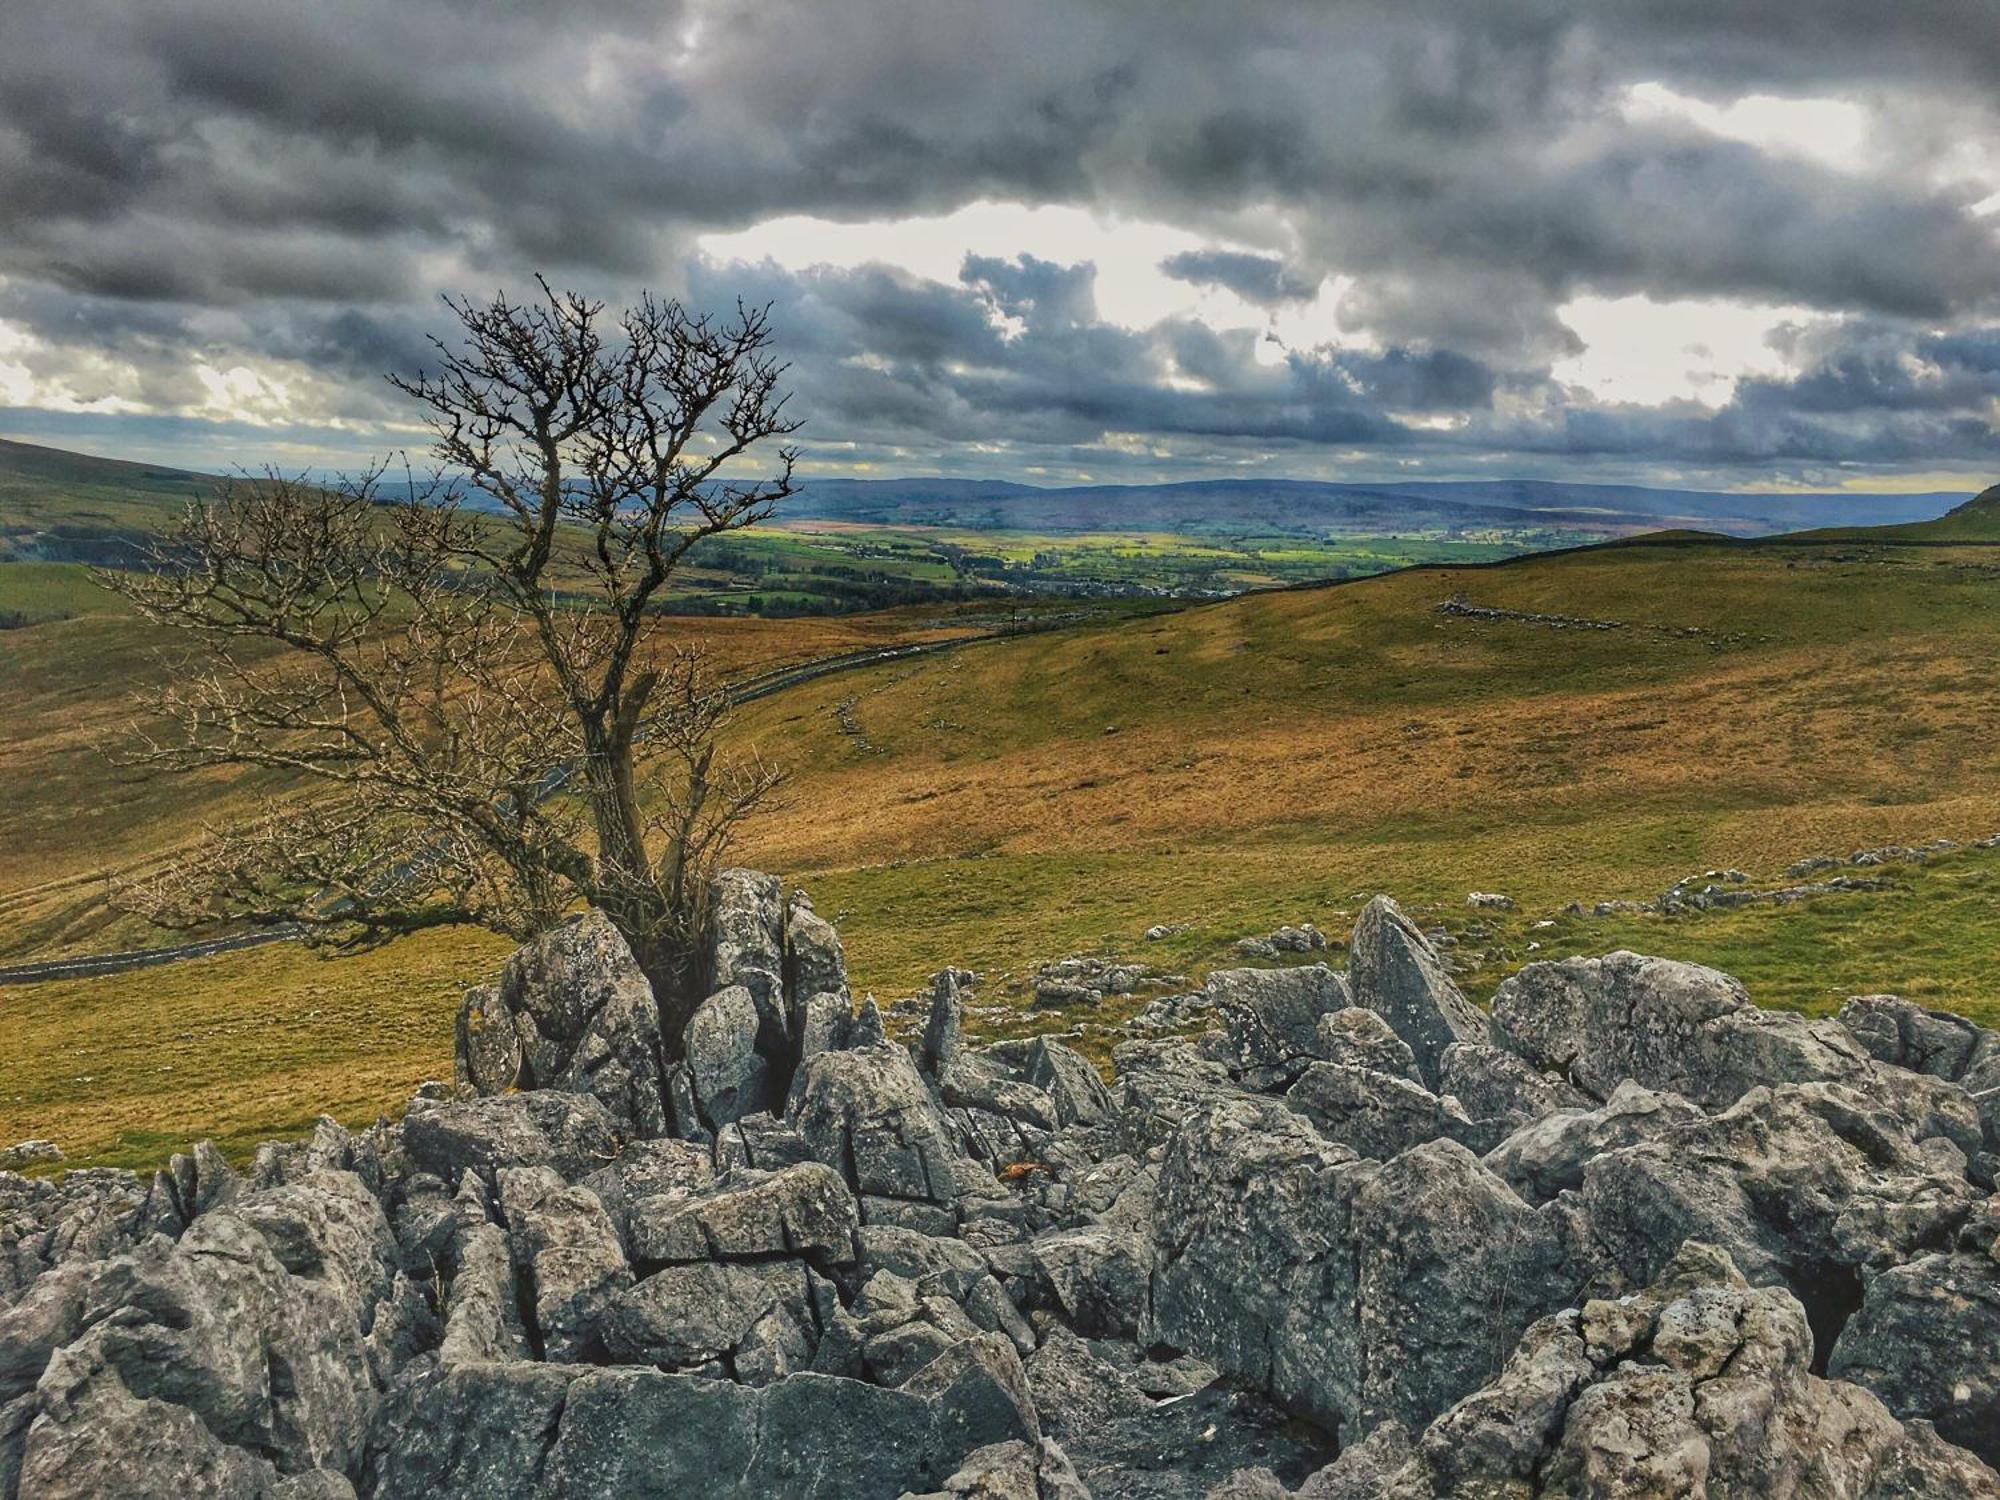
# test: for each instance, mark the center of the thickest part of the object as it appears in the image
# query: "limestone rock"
(1698, 1385)
(731, 1078)
(1393, 970)
(1500, 1091)
(1070, 1081)
(1272, 1017)
(1378, 1114)
(1358, 1037)
(747, 949)
(1671, 1026)
(695, 1315)
(803, 1210)
(1548, 1155)
(981, 1394)
(573, 1012)
(1927, 1341)
(573, 1133)
(1101, 1278)
(566, 1246)
(815, 963)
(31, 1153)
(866, 1113)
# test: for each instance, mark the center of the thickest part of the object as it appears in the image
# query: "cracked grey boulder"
(1160, 1086)
(747, 949)
(1672, 1026)
(567, 1248)
(803, 1210)
(205, 1345)
(1069, 1079)
(1271, 1018)
(1500, 1091)
(980, 1394)
(665, 1169)
(825, 1023)
(730, 1077)
(1358, 1037)
(762, 1141)
(1378, 1114)
(1013, 1470)
(1809, 1184)
(1927, 1341)
(1101, 1278)
(573, 1434)
(1698, 1385)
(88, 1428)
(1076, 1392)
(942, 1040)
(1932, 1042)
(866, 1113)
(46, 1317)
(482, 1306)
(1548, 1155)
(92, 1213)
(815, 963)
(192, 1183)
(1393, 970)
(572, 1011)
(1254, 1269)
(573, 1133)
(1349, 1290)
(1451, 1266)
(712, 1315)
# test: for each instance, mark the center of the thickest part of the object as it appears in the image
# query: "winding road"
(763, 685)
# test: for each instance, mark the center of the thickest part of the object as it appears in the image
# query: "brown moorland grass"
(67, 689)
(1274, 758)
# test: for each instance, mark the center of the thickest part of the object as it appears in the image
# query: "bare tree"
(468, 676)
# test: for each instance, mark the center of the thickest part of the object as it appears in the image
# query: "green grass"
(240, 1048)
(1274, 758)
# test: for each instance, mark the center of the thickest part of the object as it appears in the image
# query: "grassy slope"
(66, 710)
(1273, 758)
(1279, 757)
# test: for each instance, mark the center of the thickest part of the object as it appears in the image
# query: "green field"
(1227, 766)
(58, 508)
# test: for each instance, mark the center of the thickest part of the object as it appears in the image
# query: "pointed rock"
(1393, 970)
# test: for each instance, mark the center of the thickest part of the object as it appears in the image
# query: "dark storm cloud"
(206, 180)
(1263, 279)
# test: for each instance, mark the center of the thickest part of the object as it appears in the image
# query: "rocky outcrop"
(571, 1012)
(1698, 1385)
(1631, 1236)
(1393, 970)
(1672, 1026)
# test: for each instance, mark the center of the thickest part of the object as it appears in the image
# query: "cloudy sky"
(1739, 243)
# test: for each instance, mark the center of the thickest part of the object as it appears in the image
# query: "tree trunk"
(680, 983)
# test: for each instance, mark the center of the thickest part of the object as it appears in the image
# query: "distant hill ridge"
(48, 476)
(1307, 506)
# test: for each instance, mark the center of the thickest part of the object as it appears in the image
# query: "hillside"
(1310, 507)
(68, 509)
(1978, 519)
(71, 507)
(1221, 770)
(1269, 758)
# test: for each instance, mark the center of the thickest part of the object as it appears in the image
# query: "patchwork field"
(1226, 767)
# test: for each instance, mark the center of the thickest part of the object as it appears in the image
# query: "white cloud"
(1643, 351)
(1131, 290)
(1834, 132)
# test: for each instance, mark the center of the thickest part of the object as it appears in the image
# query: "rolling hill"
(62, 506)
(1313, 508)
(1566, 729)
